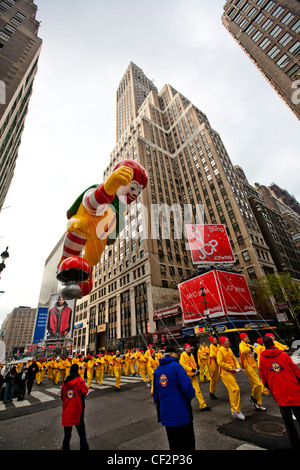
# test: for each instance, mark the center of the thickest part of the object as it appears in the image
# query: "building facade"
(20, 48)
(268, 32)
(188, 168)
(18, 329)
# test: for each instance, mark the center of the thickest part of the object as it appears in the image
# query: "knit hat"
(222, 339)
(269, 334)
(211, 338)
(243, 336)
(187, 345)
(259, 340)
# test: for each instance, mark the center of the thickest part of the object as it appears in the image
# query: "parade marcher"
(152, 365)
(73, 394)
(249, 364)
(188, 362)
(213, 367)
(258, 350)
(143, 360)
(81, 368)
(38, 376)
(90, 371)
(118, 361)
(172, 394)
(229, 366)
(99, 371)
(277, 344)
(203, 360)
(131, 362)
(137, 355)
(32, 371)
(111, 365)
(282, 376)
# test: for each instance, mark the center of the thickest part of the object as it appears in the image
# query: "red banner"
(209, 244)
(192, 301)
(225, 294)
(236, 294)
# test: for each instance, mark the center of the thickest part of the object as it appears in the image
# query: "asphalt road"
(126, 421)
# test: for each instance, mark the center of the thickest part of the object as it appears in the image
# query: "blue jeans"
(9, 392)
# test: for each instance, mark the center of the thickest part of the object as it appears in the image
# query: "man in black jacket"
(32, 371)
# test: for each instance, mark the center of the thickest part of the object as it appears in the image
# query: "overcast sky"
(70, 127)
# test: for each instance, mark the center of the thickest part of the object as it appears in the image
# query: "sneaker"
(254, 402)
(238, 415)
(213, 396)
(261, 408)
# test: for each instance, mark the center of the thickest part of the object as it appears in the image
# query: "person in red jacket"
(73, 393)
(282, 376)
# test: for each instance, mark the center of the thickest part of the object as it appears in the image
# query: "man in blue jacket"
(172, 394)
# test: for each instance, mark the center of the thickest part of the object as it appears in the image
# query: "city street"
(126, 421)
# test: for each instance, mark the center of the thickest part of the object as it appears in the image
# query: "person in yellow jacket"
(90, 371)
(50, 368)
(43, 369)
(137, 356)
(152, 365)
(143, 365)
(126, 363)
(56, 371)
(111, 365)
(214, 368)
(99, 369)
(131, 361)
(259, 349)
(278, 345)
(188, 362)
(118, 362)
(68, 366)
(38, 376)
(106, 361)
(229, 366)
(203, 359)
(81, 368)
(249, 364)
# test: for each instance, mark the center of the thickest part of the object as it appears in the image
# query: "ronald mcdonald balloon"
(95, 220)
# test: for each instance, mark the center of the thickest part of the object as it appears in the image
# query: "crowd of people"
(174, 377)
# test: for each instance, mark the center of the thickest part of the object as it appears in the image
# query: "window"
(287, 18)
(283, 61)
(251, 273)
(257, 36)
(286, 38)
(269, 5)
(296, 27)
(266, 25)
(246, 255)
(265, 43)
(243, 23)
(294, 72)
(250, 29)
(273, 52)
(252, 12)
(295, 49)
(259, 18)
(277, 30)
(4, 36)
(276, 13)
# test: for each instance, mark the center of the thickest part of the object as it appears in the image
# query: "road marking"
(43, 397)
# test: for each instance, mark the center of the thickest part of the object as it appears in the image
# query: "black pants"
(181, 437)
(82, 436)
(286, 413)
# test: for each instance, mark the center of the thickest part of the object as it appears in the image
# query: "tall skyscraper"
(19, 53)
(188, 165)
(268, 32)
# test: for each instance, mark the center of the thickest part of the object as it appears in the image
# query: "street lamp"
(4, 255)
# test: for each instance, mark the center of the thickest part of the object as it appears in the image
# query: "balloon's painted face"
(129, 193)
